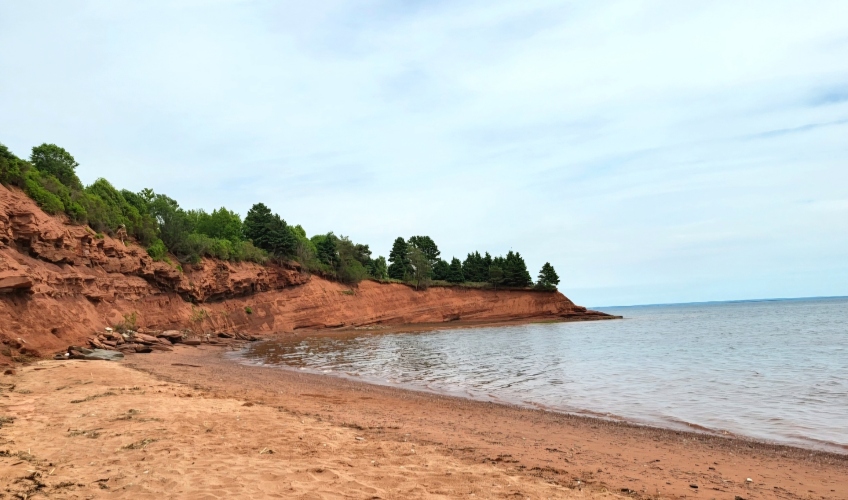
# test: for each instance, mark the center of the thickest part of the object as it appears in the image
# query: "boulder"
(191, 341)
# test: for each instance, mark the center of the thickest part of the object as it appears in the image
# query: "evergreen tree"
(455, 272)
(548, 278)
(281, 239)
(399, 258)
(515, 271)
(469, 267)
(496, 275)
(257, 225)
(441, 270)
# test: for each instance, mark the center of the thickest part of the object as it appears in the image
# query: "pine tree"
(441, 270)
(281, 239)
(257, 225)
(455, 272)
(515, 271)
(496, 275)
(399, 259)
(548, 278)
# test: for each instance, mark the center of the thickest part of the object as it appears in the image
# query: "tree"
(53, 160)
(455, 272)
(399, 268)
(281, 240)
(421, 269)
(548, 278)
(174, 225)
(428, 248)
(496, 275)
(257, 225)
(221, 223)
(515, 270)
(378, 268)
(441, 270)
(327, 251)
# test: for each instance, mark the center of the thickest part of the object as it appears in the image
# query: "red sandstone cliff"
(60, 282)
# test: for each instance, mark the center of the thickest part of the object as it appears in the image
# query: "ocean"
(772, 370)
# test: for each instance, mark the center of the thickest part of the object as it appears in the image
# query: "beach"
(193, 424)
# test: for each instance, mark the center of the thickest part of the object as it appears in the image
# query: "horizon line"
(775, 299)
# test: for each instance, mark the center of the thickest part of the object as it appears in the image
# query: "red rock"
(191, 342)
(281, 298)
(12, 281)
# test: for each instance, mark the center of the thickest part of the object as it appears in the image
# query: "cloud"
(652, 151)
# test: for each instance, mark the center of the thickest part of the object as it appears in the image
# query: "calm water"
(772, 370)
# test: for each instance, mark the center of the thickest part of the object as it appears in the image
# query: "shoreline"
(824, 447)
(808, 444)
(485, 431)
(191, 421)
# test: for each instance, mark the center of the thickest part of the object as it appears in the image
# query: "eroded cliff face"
(59, 283)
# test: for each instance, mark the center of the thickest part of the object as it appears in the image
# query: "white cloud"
(652, 151)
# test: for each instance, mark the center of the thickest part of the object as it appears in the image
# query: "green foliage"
(496, 275)
(157, 250)
(441, 270)
(476, 267)
(548, 278)
(129, 323)
(378, 268)
(269, 232)
(221, 224)
(257, 225)
(12, 168)
(175, 226)
(399, 268)
(248, 310)
(515, 270)
(325, 245)
(52, 160)
(427, 246)
(159, 223)
(35, 189)
(455, 272)
(106, 209)
(421, 268)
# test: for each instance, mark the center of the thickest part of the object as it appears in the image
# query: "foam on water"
(771, 370)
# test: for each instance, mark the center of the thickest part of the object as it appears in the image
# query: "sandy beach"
(191, 424)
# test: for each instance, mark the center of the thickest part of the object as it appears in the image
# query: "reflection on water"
(774, 370)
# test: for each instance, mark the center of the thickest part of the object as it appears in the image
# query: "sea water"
(772, 370)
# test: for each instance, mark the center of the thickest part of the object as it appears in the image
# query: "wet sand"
(192, 424)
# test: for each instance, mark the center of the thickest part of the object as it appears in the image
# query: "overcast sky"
(652, 151)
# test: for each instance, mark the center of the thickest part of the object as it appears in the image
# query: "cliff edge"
(60, 282)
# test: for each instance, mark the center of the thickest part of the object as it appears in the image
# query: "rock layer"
(60, 282)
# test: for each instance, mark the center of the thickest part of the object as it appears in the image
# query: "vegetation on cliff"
(158, 223)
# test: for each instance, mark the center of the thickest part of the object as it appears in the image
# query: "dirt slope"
(61, 282)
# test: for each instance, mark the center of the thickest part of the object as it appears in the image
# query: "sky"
(652, 151)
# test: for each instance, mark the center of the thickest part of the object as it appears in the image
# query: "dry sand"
(190, 424)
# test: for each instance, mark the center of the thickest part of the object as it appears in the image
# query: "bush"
(12, 171)
(34, 188)
(157, 250)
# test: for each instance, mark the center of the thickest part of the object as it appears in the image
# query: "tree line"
(418, 260)
(158, 223)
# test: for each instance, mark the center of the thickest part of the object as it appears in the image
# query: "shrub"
(34, 188)
(157, 250)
